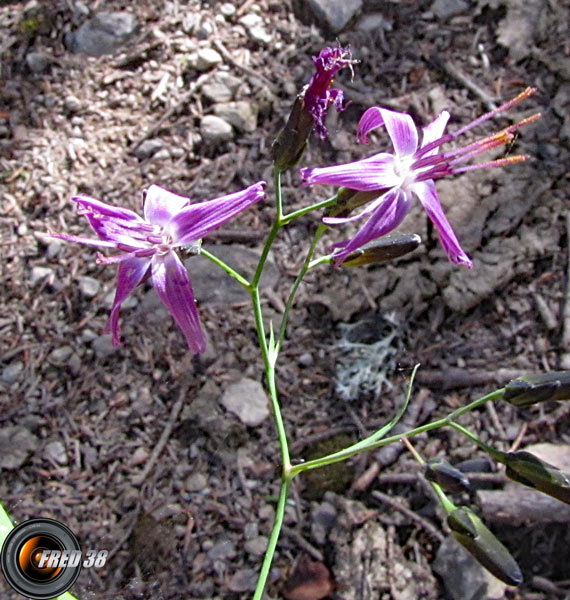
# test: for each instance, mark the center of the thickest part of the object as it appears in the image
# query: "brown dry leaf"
(310, 580)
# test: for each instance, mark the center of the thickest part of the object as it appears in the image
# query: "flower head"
(410, 171)
(310, 107)
(319, 93)
(148, 246)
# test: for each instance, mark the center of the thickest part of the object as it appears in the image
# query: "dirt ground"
(80, 420)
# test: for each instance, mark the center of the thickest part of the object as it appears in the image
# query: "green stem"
(269, 353)
(273, 539)
(488, 449)
(239, 278)
(306, 265)
(286, 219)
(362, 446)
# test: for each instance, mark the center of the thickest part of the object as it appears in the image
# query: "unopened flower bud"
(474, 536)
(445, 475)
(310, 108)
(531, 471)
(383, 249)
(348, 200)
(289, 145)
(530, 389)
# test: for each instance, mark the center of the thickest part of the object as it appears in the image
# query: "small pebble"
(38, 274)
(60, 355)
(214, 129)
(72, 104)
(148, 148)
(57, 452)
(228, 9)
(12, 372)
(195, 482)
(103, 346)
(256, 546)
(89, 286)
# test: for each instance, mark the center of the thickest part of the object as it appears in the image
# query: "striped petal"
(173, 287)
(195, 221)
(132, 272)
(160, 205)
(372, 173)
(427, 194)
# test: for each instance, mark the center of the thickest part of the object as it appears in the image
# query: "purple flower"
(410, 171)
(148, 247)
(319, 94)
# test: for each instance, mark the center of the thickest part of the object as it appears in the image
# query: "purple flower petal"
(90, 205)
(372, 173)
(83, 240)
(195, 221)
(388, 216)
(434, 130)
(402, 131)
(427, 194)
(132, 271)
(160, 205)
(173, 287)
(371, 119)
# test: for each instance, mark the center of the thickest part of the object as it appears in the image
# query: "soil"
(193, 524)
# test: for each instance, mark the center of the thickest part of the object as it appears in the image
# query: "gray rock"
(60, 355)
(13, 372)
(195, 482)
(103, 346)
(163, 154)
(464, 578)
(221, 87)
(243, 580)
(255, 29)
(38, 274)
(373, 22)
(53, 249)
(72, 104)
(242, 115)
(445, 9)
(57, 452)
(214, 285)
(247, 400)
(148, 148)
(103, 34)
(16, 445)
(89, 286)
(332, 15)
(204, 59)
(38, 62)
(228, 9)
(323, 519)
(131, 302)
(256, 545)
(215, 130)
(222, 550)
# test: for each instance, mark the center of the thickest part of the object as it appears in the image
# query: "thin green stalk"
(318, 234)
(488, 449)
(286, 219)
(359, 447)
(269, 353)
(273, 539)
(239, 278)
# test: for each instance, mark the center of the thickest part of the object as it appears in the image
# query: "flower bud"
(542, 387)
(348, 200)
(382, 249)
(288, 147)
(531, 471)
(474, 536)
(446, 475)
